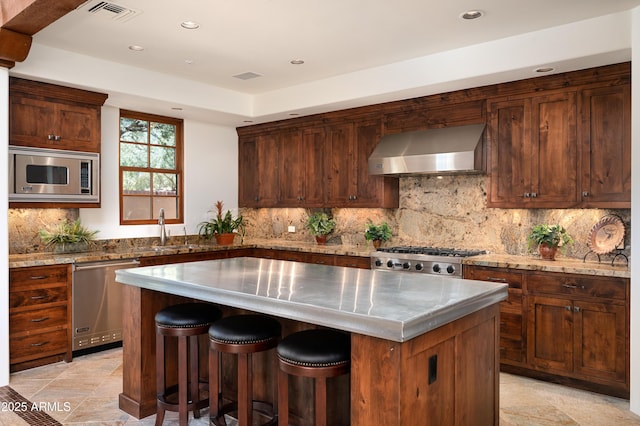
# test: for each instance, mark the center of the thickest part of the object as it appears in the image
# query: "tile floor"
(85, 392)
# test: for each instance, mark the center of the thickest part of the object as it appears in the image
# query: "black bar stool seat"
(242, 335)
(318, 354)
(185, 321)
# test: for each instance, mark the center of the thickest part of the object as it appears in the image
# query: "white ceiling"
(333, 37)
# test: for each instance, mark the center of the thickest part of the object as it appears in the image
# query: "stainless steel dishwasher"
(97, 303)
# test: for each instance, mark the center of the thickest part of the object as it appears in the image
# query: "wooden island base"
(447, 376)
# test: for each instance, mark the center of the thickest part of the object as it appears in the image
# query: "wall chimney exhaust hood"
(449, 150)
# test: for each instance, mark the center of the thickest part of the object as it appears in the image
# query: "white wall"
(211, 174)
(4, 229)
(635, 212)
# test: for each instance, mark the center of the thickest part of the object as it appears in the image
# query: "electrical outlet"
(291, 228)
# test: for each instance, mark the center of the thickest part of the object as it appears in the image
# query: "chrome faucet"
(163, 232)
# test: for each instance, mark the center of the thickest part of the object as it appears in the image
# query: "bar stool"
(242, 335)
(185, 321)
(318, 354)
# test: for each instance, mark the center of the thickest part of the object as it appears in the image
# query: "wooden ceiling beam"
(21, 19)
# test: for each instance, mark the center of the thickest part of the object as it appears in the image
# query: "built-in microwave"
(53, 175)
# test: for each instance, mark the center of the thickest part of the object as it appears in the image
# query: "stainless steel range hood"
(449, 150)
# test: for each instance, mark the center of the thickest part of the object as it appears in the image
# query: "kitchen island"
(424, 348)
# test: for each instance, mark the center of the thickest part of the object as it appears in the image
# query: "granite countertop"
(389, 306)
(566, 265)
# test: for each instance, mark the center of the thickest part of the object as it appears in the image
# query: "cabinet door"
(600, 348)
(248, 183)
(258, 171)
(606, 146)
(78, 128)
(368, 191)
(554, 156)
(341, 179)
(549, 334)
(509, 152)
(302, 172)
(31, 122)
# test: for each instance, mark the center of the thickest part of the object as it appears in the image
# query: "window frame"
(179, 170)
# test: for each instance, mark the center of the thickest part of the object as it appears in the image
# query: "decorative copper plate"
(606, 235)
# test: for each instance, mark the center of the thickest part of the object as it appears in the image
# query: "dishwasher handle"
(84, 267)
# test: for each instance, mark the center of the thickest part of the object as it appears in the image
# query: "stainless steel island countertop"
(387, 305)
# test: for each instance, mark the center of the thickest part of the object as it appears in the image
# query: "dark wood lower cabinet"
(566, 328)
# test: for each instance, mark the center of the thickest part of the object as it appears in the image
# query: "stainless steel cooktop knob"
(378, 262)
(419, 266)
(451, 269)
(406, 265)
(436, 268)
(389, 263)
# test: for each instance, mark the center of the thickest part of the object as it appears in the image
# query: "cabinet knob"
(57, 138)
(534, 194)
(585, 194)
(576, 309)
(527, 195)
(567, 308)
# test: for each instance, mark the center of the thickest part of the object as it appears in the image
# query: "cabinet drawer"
(577, 285)
(513, 278)
(354, 262)
(31, 322)
(21, 278)
(37, 296)
(37, 346)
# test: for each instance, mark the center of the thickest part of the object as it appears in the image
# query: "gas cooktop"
(426, 260)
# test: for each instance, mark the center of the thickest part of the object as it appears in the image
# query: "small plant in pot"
(223, 227)
(320, 225)
(68, 237)
(549, 239)
(377, 234)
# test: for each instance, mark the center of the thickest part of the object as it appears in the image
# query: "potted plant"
(320, 225)
(548, 239)
(223, 227)
(377, 233)
(68, 237)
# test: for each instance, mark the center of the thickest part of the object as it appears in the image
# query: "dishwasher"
(97, 303)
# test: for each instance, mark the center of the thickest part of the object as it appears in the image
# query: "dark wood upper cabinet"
(605, 138)
(533, 146)
(560, 141)
(49, 116)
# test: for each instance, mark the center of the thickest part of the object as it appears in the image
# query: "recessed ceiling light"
(472, 14)
(297, 61)
(136, 48)
(190, 25)
(176, 108)
(293, 114)
(544, 69)
(247, 121)
(188, 61)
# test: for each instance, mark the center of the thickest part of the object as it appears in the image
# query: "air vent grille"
(111, 10)
(247, 75)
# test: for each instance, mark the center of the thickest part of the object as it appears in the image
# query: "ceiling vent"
(111, 11)
(247, 75)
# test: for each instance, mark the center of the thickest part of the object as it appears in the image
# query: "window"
(150, 168)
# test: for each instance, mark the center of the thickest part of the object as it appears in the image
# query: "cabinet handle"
(568, 308)
(39, 344)
(585, 194)
(573, 286)
(57, 138)
(38, 297)
(534, 194)
(527, 195)
(497, 280)
(38, 277)
(39, 319)
(50, 137)
(576, 309)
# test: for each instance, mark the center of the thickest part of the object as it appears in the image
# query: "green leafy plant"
(380, 232)
(221, 224)
(320, 223)
(67, 233)
(551, 235)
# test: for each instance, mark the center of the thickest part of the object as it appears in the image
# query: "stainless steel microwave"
(53, 175)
